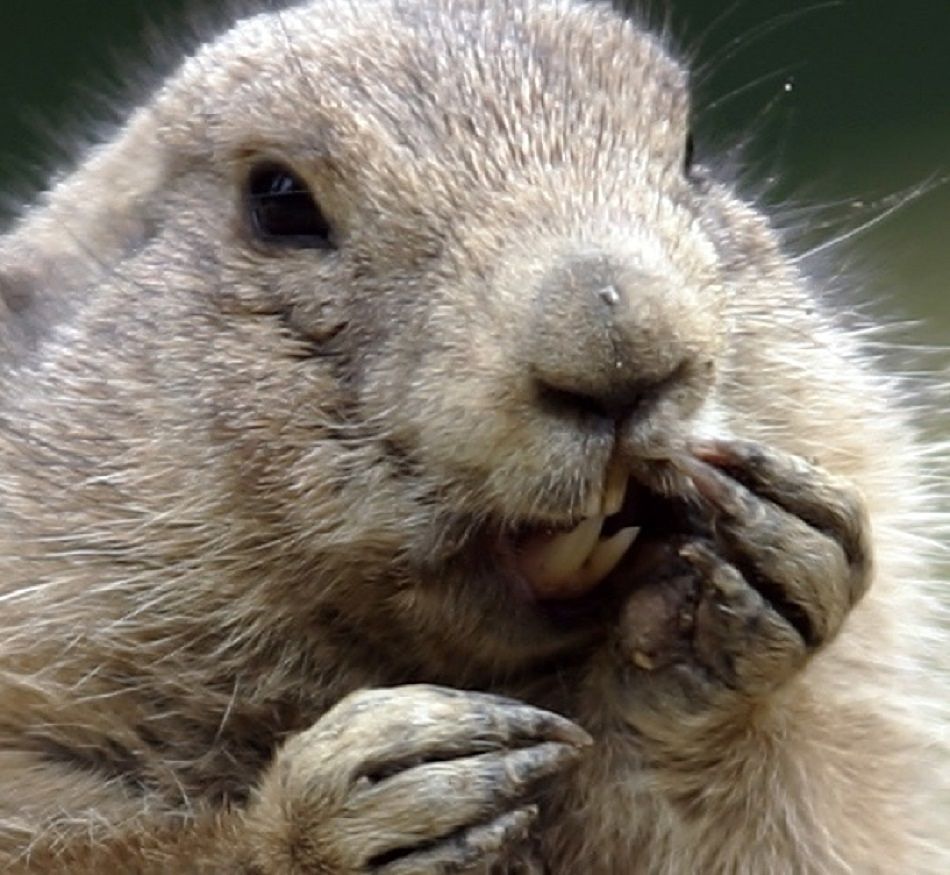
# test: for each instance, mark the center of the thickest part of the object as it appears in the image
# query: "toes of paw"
(373, 734)
(462, 851)
(414, 808)
(739, 636)
(801, 571)
(802, 574)
(476, 786)
(826, 503)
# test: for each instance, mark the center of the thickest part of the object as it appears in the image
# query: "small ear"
(80, 230)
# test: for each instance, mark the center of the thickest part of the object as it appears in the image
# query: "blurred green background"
(843, 104)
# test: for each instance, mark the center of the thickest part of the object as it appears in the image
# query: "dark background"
(866, 119)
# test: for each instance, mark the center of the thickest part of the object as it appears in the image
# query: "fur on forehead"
(337, 76)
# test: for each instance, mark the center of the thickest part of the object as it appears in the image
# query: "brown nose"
(609, 340)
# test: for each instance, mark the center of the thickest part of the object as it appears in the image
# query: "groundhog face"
(467, 283)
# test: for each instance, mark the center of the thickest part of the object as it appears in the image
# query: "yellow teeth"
(610, 498)
(595, 505)
(615, 489)
(549, 561)
(568, 564)
(605, 556)
(602, 560)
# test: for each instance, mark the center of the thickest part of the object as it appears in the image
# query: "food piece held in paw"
(658, 616)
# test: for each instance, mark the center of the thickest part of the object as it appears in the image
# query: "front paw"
(727, 616)
(413, 780)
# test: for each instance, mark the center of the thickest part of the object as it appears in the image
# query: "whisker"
(902, 201)
(730, 49)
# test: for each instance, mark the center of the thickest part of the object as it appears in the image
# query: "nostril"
(614, 402)
(613, 406)
(568, 402)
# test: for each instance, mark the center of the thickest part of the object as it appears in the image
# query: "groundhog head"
(446, 288)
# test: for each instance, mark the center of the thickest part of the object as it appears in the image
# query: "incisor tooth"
(605, 556)
(594, 505)
(615, 489)
(549, 560)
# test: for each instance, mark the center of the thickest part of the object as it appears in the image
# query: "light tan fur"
(238, 486)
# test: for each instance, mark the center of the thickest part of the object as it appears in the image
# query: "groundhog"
(414, 461)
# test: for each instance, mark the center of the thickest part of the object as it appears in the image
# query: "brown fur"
(238, 486)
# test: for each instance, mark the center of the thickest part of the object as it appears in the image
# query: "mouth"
(580, 569)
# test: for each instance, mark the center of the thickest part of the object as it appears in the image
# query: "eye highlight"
(282, 211)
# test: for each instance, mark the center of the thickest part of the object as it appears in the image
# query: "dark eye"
(689, 155)
(282, 209)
